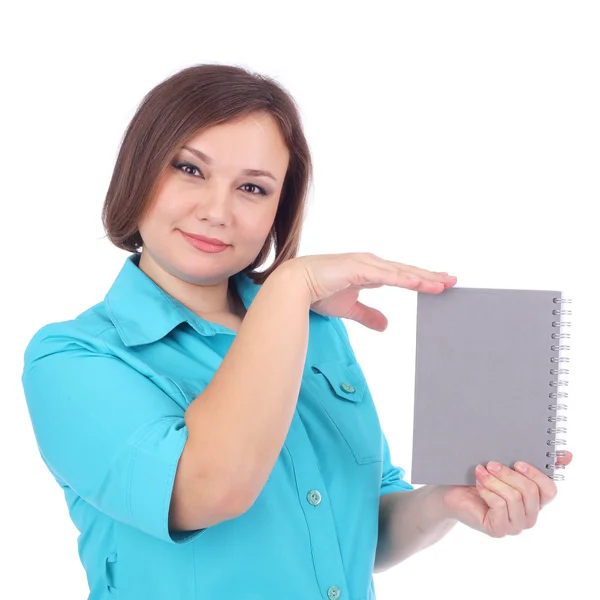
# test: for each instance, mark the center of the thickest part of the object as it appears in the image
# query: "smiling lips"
(206, 244)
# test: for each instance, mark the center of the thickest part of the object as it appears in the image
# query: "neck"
(207, 301)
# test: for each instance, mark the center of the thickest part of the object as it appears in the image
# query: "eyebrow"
(251, 172)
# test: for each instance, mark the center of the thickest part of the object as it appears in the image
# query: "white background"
(457, 136)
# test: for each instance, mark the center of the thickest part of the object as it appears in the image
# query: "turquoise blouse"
(107, 392)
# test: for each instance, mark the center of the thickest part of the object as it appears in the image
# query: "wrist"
(290, 276)
(440, 500)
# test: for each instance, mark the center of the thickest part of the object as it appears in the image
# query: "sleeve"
(392, 477)
(106, 431)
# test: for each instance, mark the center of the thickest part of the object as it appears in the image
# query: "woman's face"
(211, 196)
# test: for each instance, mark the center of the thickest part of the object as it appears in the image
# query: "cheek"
(166, 209)
(257, 224)
(171, 205)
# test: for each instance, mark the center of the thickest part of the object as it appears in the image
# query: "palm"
(341, 304)
(466, 501)
(345, 304)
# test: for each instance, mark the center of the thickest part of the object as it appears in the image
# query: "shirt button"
(334, 592)
(314, 497)
(349, 389)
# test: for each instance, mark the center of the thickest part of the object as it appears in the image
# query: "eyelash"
(178, 165)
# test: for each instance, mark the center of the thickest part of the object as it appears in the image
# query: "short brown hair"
(179, 107)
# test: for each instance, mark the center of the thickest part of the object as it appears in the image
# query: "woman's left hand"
(504, 501)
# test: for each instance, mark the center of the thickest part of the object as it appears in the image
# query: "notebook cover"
(482, 381)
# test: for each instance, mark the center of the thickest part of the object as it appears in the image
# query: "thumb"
(368, 316)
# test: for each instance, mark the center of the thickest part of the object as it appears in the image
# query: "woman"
(209, 424)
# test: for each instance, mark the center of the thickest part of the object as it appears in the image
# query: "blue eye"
(181, 166)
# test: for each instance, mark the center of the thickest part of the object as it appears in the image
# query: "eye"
(261, 191)
(189, 168)
(185, 165)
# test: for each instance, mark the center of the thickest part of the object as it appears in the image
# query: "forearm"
(238, 424)
(409, 522)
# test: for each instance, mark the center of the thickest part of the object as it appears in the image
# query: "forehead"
(254, 132)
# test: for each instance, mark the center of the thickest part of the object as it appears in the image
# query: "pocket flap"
(346, 381)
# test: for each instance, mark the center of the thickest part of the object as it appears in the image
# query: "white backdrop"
(457, 136)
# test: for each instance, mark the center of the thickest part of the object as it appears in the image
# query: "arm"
(243, 415)
(409, 522)
(504, 501)
(120, 442)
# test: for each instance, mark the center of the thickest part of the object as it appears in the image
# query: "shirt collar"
(142, 312)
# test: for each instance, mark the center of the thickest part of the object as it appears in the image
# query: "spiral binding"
(554, 419)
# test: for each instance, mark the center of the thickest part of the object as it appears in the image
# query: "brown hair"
(179, 107)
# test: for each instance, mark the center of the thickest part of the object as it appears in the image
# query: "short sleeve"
(392, 477)
(106, 431)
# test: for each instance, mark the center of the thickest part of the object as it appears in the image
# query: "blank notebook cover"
(488, 382)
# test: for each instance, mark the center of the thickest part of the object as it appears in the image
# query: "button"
(314, 497)
(334, 592)
(349, 389)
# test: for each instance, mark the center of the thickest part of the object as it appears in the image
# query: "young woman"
(209, 424)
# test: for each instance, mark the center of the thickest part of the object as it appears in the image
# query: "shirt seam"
(128, 498)
(168, 488)
(115, 322)
(336, 323)
(131, 469)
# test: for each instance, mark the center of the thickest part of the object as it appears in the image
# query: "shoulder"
(86, 330)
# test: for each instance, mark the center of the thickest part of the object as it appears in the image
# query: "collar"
(142, 312)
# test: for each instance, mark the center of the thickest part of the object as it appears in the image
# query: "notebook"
(489, 382)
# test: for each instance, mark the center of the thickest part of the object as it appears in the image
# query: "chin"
(202, 274)
(204, 270)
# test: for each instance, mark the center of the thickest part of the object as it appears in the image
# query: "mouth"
(203, 243)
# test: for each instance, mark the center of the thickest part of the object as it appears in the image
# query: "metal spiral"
(554, 430)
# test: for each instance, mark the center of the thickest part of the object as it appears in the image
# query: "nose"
(215, 205)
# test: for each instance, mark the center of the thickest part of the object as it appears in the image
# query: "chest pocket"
(344, 395)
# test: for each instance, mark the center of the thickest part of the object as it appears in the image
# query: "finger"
(445, 278)
(510, 495)
(423, 274)
(375, 274)
(566, 459)
(369, 286)
(431, 285)
(398, 277)
(368, 316)
(547, 487)
(528, 490)
(496, 522)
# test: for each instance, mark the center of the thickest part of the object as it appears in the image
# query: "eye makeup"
(180, 165)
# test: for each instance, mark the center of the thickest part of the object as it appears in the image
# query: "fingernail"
(521, 466)
(480, 470)
(494, 466)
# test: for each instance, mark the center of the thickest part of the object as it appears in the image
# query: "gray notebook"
(488, 382)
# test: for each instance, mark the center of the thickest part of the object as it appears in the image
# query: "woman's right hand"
(335, 280)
